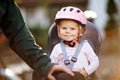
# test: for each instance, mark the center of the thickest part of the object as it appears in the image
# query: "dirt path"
(109, 68)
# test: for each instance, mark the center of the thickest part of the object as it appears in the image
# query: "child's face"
(68, 30)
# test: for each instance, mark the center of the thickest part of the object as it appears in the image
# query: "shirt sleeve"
(92, 59)
(54, 54)
(20, 39)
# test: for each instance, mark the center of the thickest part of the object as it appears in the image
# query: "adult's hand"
(58, 68)
(82, 71)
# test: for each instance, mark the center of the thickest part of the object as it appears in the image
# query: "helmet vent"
(64, 9)
(78, 11)
(71, 9)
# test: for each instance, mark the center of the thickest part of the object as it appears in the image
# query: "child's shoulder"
(86, 43)
(57, 45)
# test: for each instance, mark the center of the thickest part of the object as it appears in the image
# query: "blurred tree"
(111, 29)
(111, 10)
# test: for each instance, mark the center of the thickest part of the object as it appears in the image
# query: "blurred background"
(39, 16)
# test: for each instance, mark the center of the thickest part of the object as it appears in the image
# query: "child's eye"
(63, 28)
(73, 29)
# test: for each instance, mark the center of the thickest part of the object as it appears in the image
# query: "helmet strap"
(70, 43)
(73, 42)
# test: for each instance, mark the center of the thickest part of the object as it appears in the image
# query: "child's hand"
(82, 71)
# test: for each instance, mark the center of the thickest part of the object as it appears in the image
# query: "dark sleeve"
(20, 39)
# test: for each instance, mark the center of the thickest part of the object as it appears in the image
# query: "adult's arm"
(20, 39)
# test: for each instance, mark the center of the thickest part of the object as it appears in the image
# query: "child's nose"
(68, 30)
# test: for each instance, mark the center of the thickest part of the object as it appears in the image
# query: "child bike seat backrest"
(92, 35)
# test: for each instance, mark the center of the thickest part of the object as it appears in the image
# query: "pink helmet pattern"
(73, 13)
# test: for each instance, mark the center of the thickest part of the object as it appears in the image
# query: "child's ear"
(57, 27)
(82, 30)
(58, 30)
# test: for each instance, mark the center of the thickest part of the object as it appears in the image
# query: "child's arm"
(94, 63)
(54, 54)
(92, 59)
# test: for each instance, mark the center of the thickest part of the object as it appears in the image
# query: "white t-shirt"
(87, 59)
